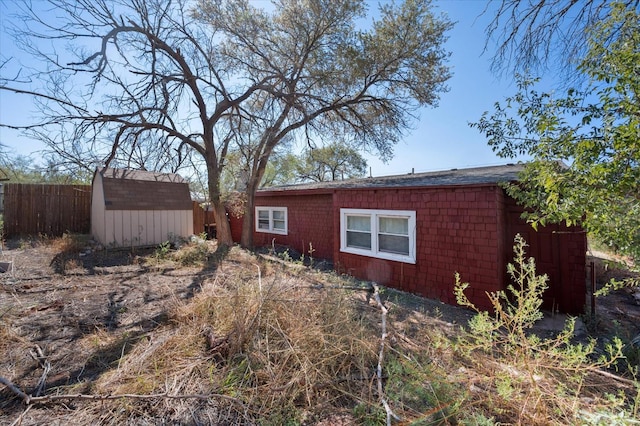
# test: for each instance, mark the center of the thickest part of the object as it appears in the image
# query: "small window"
(271, 219)
(393, 235)
(359, 231)
(387, 234)
(279, 220)
(263, 219)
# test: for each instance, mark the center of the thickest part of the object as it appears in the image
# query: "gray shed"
(139, 208)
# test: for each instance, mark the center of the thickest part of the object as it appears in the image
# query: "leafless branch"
(532, 36)
(38, 355)
(30, 400)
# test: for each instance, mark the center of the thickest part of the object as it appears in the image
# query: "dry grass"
(262, 342)
(68, 243)
(262, 338)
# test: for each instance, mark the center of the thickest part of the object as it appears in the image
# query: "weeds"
(162, 251)
(277, 347)
(68, 244)
(195, 254)
(530, 379)
(264, 344)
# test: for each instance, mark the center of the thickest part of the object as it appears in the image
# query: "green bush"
(531, 379)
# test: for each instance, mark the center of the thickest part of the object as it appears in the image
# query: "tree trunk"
(246, 239)
(223, 229)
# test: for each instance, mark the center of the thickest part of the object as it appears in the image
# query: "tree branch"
(29, 400)
(383, 337)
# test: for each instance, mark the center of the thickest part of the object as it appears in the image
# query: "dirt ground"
(64, 304)
(59, 309)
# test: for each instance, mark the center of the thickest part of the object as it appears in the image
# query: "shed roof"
(126, 189)
(470, 176)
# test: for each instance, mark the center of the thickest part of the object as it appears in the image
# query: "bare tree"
(168, 79)
(531, 35)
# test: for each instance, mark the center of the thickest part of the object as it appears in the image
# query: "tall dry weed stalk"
(530, 379)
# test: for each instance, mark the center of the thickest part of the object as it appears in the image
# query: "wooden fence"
(203, 221)
(46, 209)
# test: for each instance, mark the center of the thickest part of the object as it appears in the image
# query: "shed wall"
(98, 229)
(129, 213)
(146, 227)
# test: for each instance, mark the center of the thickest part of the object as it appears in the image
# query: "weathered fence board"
(203, 220)
(47, 209)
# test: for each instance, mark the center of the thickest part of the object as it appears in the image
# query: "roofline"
(324, 191)
(130, 174)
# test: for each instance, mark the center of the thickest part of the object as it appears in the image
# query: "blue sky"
(441, 139)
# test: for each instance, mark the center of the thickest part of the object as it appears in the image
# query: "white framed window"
(386, 234)
(271, 219)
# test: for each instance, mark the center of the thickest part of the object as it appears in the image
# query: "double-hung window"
(387, 234)
(271, 219)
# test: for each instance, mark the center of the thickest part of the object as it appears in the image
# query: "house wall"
(310, 221)
(458, 230)
(559, 252)
(464, 229)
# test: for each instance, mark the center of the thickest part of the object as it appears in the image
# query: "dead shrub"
(194, 254)
(68, 244)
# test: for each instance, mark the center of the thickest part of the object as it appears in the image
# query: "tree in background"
(331, 162)
(281, 170)
(21, 169)
(585, 146)
(125, 81)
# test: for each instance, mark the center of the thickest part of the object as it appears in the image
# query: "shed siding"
(157, 227)
(310, 221)
(145, 228)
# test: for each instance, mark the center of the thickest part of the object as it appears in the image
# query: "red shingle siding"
(559, 252)
(458, 229)
(465, 229)
(310, 221)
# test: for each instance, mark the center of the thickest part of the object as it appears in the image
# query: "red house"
(413, 232)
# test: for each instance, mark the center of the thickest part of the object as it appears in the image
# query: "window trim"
(272, 229)
(373, 215)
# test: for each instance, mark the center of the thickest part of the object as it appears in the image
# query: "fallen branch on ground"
(13, 388)
(28, 399)
(383, 400)
(38, 355)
